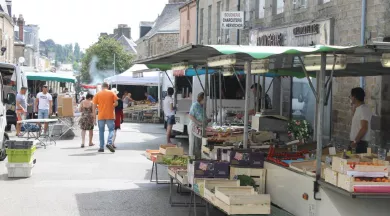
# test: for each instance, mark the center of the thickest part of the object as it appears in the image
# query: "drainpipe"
(363, 36)
(197, 20)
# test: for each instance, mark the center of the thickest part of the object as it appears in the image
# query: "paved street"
(68, 180)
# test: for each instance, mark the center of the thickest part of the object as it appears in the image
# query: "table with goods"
(141, 111)
(21, 159)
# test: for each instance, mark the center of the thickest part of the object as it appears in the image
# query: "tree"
(103, 54)
(76, 52)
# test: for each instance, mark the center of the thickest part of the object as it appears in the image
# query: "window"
(218, 19)
(227, 31)
(298, 4)
(261, 8)
(209, 22)
(201, 17)
(279, 6)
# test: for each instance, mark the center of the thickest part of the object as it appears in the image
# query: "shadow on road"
(144, 200)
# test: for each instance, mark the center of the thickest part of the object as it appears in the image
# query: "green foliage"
(63, 54)
(299, 129)
(246, 181)
(104, 50)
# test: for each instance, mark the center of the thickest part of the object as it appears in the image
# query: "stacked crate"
(20, 158)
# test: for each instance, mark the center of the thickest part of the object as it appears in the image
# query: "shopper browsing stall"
(196, 119)
(257, 89)
(361, 121)
(169, 113)
(150, 98)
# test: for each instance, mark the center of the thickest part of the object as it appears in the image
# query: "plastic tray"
(20, 155)
(12, 144)
(20, 170)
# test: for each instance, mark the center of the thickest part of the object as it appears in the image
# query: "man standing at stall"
(257, 89)
(169, 113)
(361, 121)
(44, 103)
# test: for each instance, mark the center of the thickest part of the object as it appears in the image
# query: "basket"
(20, 155)
(20, 170)
(12, 144)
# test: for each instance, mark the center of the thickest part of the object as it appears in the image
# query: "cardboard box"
(67, 107)
(59, 111)
(331, 176)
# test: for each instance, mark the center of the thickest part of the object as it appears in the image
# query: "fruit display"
(368, 179)
(176, 161)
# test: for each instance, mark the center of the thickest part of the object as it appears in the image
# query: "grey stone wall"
(156, 45)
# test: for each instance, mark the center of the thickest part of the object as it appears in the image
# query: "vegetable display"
(176, 161)
(246, 181)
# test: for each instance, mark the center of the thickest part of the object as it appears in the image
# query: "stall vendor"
(150, 98)
(268, 104)
(361, 121)
(196, 119)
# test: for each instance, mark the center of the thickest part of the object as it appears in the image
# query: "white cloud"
(70, 21)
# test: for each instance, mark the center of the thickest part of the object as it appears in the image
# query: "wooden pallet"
(257, 174)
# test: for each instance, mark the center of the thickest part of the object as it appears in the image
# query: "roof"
(146, 23)
(167, 22)
(281, 58)
(128, 44)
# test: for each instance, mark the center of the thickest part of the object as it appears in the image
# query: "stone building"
(123, 35)
(164, 35)
(6, 36)
(306, 23)
(188, 23)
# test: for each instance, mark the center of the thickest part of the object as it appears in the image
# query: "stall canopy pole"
(307, 77)
(205, 103)
(281, 96)
(239, 82)
(257, 105)
(159, 94)
(247, 89)
(263, 94)
(215, 98)
(170, 80)
(321, 95)
(220, 100)
(197, 75)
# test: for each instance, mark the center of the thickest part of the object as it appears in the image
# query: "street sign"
(232, 20)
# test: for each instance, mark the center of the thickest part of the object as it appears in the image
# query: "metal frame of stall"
(368, 67)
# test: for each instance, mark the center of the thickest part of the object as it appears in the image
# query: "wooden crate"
(182, 177)
(341, 165)
(149, 153)
(212, 183)
(257, 174)
(172, 170)
(347, 182)
(229, 195)
(171, 150)
(246, 203)
(331, 176)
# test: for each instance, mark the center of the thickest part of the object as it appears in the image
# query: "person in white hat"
(118, 115)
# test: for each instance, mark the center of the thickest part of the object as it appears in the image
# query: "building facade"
(6, 38)
(188, 23)
(164, 34)
(307, 23)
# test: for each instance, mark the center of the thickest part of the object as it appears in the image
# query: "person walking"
(21, 108)
(44, 103)
(105, 101)
(118, 116)
(87, 119)
(169, 113)
(30, 106)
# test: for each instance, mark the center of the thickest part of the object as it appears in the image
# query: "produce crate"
(20, 155)
(344, 165)
(241, 200)
(20, 170)
(247, 158)
(150, 153)
(182, 177)
(258, 174)
(331, 176)
(212, 183)
(348, 183)
(170, 149)
(12, 144)
(172, 170)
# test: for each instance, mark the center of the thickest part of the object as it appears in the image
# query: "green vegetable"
(177, 161)
(246, 181)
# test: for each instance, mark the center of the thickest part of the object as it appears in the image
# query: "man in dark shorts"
(169, 113)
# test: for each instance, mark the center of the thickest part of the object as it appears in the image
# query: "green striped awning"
(50, 76)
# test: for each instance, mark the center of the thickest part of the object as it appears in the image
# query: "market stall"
(289, 181)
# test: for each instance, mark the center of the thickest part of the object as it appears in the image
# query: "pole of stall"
(281, 97)
(215, 98)
(321, 94)
(247, 89)
(257, 105)
(159, 94)
(220, 100)
(205, 102)
(263, 94)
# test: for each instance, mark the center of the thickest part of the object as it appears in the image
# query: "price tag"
(332, 151)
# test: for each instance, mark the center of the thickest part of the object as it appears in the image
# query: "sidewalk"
(68, 180)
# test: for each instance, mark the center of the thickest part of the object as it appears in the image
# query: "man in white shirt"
(44, 104)
(361, 121)
(169, 113)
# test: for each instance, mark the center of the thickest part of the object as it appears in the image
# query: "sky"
(82, 21)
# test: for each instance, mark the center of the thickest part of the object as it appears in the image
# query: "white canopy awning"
(127, 78)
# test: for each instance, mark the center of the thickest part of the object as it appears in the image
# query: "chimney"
(9, 7)
(21, 27)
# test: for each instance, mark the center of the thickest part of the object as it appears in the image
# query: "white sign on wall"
(232, 20)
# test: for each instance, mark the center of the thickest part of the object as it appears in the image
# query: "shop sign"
(306, 30)
(270, 40)
(232, 20)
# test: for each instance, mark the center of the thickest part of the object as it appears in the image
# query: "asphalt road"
(68, 180)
